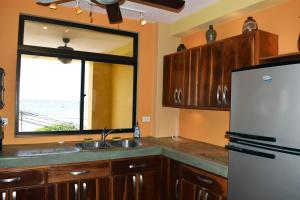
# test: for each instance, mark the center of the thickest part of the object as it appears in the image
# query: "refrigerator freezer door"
(266, 102)
(252, 177)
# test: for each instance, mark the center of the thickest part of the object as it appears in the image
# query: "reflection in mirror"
(49, 94)
(108, 96)
(52, 35)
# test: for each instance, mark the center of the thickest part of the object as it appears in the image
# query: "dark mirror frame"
(83, 56)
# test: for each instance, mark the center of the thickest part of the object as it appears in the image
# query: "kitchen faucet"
(104, 134)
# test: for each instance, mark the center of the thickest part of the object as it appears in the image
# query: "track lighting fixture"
(77, 8)
(53, 6)
(142, 20)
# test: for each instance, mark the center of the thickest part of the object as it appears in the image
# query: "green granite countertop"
(198, 154)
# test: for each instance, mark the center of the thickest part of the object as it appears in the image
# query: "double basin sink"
(98, 145)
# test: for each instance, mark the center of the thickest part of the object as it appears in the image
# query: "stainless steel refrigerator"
(264, 144)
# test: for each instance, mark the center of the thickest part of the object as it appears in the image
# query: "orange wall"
(283, 19)
(8, 39)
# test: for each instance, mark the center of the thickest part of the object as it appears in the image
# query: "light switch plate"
(146, 119)
(5, 121)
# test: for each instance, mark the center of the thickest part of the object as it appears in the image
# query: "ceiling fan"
(113, 6)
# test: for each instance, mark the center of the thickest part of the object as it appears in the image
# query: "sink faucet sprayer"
(137, 132)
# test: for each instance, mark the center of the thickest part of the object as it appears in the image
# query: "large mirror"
(73, 92)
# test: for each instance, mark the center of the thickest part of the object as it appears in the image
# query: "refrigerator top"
(266, 65)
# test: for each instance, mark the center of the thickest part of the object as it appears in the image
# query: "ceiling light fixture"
(77, 8)
(53, 6)
(142, 20)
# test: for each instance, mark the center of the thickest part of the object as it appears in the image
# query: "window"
(74, 78)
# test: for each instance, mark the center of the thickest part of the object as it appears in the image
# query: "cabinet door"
(58, 191)
(104, 188)
(88, 189)
(167, 90)
(124, 187)
(210, 76)
(32, 193)
(4, 195)
(149, 185)
(210, 195)
(193, 77)
(174, 185)
(180, 78)
(188, 190)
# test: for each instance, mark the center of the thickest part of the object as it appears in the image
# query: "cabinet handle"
(180, 97)
(199, 195)
(141, 184)
(3, 195)
(10, 180)
(218, 95)
(137, 166)
(76, 173)
(225, 94)
(206, 196)
(76, 191)
(84, 191)
(177, 189)
(205, 180)
(134, 184)
(14, 195)
(175, 96)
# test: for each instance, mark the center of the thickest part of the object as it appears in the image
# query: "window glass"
(108, 100)
(49, 95)
(58, 36)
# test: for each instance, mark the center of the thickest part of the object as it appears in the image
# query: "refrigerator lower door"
(265, 102)
(253, 177)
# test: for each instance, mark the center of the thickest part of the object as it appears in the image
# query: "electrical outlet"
(4, 120)
(146, 119)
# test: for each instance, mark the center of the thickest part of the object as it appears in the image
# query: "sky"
(49, 79)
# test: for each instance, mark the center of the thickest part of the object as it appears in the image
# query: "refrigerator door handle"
(251, 136)
(250, 152)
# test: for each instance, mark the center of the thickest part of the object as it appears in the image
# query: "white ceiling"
(153, 14)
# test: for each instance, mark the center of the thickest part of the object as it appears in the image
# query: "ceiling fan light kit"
(113, 7)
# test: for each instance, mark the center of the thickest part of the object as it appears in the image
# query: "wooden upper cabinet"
(202, 75)
(176, 79)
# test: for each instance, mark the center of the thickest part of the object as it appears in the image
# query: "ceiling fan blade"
(114, 13)
(48, 2)
(171, 5)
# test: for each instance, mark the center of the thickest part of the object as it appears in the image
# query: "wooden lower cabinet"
(137, 179)
(91, 189)
(194, 184)
(32, 193)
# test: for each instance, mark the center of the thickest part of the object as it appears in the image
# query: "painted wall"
(282, 19)
(166, 118)
(10, 11)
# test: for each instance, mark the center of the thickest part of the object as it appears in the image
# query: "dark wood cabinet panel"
(4, 195)
(88, 189)
(104, 190)
(176, 79)
(174, 179)
(21, 178)
(149, 185)
(193, 77)
(188, 190)
(167, 71)
(32, 193)
(124, 187)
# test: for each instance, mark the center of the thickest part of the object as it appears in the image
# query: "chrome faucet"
(104, 134)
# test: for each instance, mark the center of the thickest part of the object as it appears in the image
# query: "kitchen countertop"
(198, 154)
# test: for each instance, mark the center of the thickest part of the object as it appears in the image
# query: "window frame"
(79, 55)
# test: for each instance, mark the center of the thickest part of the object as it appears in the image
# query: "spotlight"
(142, 20)
(53, 6)
(77, 8)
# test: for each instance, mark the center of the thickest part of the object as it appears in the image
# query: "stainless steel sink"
(128, 143)
(92, 146)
